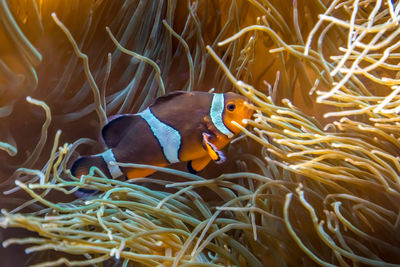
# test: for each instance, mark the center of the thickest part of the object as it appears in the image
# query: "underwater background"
(313, 181)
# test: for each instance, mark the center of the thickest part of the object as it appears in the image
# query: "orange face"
(236, 110)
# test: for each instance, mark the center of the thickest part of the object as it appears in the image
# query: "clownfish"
(180, 126)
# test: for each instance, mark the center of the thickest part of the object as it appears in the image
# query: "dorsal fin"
(115, 129)
(167, 97)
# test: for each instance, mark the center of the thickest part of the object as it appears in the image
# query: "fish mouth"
(250, 113)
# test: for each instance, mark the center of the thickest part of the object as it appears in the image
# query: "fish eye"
(231, 107)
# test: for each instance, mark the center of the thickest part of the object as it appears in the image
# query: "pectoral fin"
(212, 150)
(195, 166)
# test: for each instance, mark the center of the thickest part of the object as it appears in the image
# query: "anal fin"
(196, 165)
(133, 173)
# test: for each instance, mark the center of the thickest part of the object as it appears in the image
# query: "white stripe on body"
(115, 170)
(169, 138)
(216, 110)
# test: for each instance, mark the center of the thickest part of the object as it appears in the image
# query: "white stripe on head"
(169, 138)
(115, 170)
(216, 111)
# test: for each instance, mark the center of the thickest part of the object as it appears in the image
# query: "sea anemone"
(313, 180)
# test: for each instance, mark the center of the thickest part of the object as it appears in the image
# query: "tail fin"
(82, 167)
(83, 164)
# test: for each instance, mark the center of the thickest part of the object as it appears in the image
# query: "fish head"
(236, 110)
